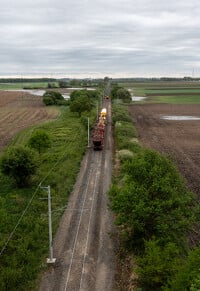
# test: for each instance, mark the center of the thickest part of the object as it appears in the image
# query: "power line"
(31, 199)
(17, 224)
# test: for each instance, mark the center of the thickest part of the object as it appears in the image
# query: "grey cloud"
(132, 36)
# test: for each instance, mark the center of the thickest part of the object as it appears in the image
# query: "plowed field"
(19, 110)
(179, 139)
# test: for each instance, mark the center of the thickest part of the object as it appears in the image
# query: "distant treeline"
(92, 81)
(129, 80)
(20, 80)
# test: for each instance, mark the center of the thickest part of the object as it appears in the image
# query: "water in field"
(176, 117)
(81, 88)
(137, 98)
(36, 92)
(66, 96)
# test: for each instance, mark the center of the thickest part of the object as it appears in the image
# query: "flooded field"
(173, 130)
(176, 117)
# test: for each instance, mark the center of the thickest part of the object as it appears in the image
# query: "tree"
(123, 94)
(114, 90)
(153, 200)
(81, 104)
(188, 276)
(19, 163)
(63, 84)
(118, 92)
(53, 98)
(82, 100)
(74, 83)
(40, 141)
(158, 265)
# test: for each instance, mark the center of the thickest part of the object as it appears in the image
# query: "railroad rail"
(83, 247)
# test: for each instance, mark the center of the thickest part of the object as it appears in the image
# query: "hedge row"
(154, 212)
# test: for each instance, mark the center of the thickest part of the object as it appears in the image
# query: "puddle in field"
(176, 117)
(33, 92)
(137, 98)
(66, 96)
(37, 92)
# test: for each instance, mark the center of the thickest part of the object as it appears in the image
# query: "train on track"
(99, 131)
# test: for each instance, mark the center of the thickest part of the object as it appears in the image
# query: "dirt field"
(19, 110)
(178, 138)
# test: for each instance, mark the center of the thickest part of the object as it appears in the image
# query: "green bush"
(124, 95)
(154, 213)
(19, 163)
(28, 248)
(53, 98)
(153, 200)
(120, 114)
(157, 265)
(39, 141)
(188, 276)
(125, 155)
(125, 129)
(48, 100)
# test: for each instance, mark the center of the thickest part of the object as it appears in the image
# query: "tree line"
(155, 213)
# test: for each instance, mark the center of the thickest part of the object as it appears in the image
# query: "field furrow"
(18, 111)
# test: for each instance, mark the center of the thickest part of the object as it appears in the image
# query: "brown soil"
(178, 139)
(19, 110)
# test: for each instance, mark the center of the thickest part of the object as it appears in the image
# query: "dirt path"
(83, 247)
(179, 139)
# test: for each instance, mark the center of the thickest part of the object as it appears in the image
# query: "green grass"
(174, 99)
(166, 92)
(125, 133)
(17, 86)
(172, 91)
(25, 254)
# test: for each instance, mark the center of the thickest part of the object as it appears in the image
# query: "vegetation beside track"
(154, 213)
(26, 209)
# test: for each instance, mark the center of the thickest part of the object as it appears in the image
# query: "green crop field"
(21, 85)
(175, 92)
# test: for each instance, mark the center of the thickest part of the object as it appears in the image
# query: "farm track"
(83, 247)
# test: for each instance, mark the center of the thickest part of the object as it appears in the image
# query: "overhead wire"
(31, 199)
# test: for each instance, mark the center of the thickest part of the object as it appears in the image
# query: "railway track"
(84, 250)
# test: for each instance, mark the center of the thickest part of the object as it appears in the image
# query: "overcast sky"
(95, 38)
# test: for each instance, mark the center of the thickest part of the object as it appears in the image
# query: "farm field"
(21, 85)
(181, 92)
(179, 139)
(20, 110)
(58, 167)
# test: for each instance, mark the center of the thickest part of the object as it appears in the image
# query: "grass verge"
(25, 254)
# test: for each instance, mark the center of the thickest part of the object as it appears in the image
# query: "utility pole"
(97, 109)
(88, 132)
(51, 259)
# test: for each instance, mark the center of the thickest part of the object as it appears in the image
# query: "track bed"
(84, 249)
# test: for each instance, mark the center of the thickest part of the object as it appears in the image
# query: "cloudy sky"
(96, 38)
